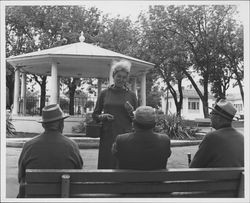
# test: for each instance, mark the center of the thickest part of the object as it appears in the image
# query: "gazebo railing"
(33, 106)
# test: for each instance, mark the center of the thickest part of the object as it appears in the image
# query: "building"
(238, 104)
(192, 107)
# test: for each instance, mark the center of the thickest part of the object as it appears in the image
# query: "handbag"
(93, 129)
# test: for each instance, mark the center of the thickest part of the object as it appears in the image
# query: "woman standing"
(114, 107)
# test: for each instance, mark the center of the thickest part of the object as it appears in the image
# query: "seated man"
(142, 149)
(51, 149)
(223, 147)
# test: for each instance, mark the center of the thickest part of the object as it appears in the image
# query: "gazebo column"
(54, 84)
(99, 86)
(58, 88)
(15, 109)
(134, 86)
(111, 79)
(143, 89)
(23, 93)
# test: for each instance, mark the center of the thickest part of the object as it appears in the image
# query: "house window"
(193, 104)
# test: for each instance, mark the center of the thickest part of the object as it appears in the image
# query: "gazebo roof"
(75, 60)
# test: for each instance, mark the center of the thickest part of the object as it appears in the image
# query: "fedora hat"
(145, 115)
(52, 113)
(225, 109)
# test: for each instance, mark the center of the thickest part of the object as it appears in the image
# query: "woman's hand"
(106, 116)
(129, 107)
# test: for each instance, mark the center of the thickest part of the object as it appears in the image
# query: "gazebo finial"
(81, 38)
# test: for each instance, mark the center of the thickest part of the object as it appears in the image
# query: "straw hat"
(225, 109)
(52, 113)
(145, 115)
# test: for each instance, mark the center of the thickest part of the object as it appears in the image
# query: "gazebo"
(81, 60)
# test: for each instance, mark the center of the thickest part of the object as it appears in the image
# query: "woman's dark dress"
(112, 100)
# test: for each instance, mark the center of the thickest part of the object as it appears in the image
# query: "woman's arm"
(99, 106)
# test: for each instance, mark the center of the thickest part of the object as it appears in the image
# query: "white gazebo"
(81, 60)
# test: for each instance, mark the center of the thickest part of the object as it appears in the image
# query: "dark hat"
(52, 113)
(145, 115)
(225, 109)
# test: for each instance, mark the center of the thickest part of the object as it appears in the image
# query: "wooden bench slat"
(203, 194)
(43, 196)
(154, 187)
(131, 176)
(46, 189)
(216, 182)
(77, 188)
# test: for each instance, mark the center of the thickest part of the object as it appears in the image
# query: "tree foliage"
(30, 28)
(182, 41)
(195, 32)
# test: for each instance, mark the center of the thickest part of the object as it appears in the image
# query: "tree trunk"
(10, 85)
(205, 97)
(241, 90)
(71, 101)
(167, 107)
(179, 103)
(43, 94)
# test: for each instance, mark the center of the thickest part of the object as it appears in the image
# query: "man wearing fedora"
(51, 149)
(142, 149)
(223, 147)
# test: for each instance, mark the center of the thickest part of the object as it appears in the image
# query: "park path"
(178, 159)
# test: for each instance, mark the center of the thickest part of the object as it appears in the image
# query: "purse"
(93, 129)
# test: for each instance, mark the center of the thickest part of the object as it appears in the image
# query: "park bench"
(65, 183)
(203, 122)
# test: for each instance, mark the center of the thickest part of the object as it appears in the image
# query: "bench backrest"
(209, 182)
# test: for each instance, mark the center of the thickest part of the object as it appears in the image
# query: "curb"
(93, 143)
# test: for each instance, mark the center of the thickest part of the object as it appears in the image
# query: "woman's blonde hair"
(122, 65)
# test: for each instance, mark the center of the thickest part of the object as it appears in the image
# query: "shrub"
(175, 127)
(81, 127)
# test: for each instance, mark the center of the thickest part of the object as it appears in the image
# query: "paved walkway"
(178, 159)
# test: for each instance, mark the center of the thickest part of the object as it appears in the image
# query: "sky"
(133, 8)
(129, 8)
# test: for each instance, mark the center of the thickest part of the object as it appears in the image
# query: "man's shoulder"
(221, 131)
(125, 135)
(32, 141)
(69, 141)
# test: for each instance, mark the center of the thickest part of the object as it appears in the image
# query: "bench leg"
(241, 186)
(65, 188)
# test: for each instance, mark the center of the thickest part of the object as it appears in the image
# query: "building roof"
(75, 60)
(191, 93)
(234, 96)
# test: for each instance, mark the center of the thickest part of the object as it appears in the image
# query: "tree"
(119, 35)
(166, 52)
(154, 98)
(20, 39)
(198, 29)
(30, 28)
(42, 81)
(9, 84)
(231, 47)
(72, 84)
(220, 78)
